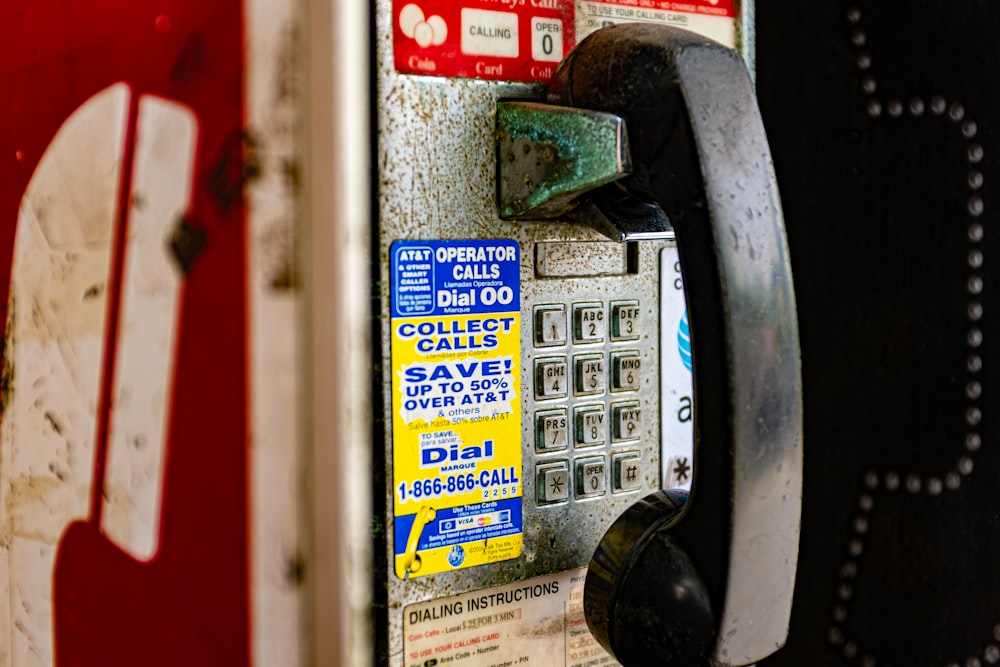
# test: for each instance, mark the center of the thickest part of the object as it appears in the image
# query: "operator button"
(589, 374)
(590, 425)
(551, 431)
(626, 422)
(552, 482)
(591, 479)
(550, 325)
(550, 377)
(626, 371)
(588, 322)
(625, 320)
(626, 471)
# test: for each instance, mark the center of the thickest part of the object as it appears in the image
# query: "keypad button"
(551, 431)
(590, 477)
(626, 371)
(551, 378)
(626, 471)
(588, 322)
(678, 473)
(550, 325)
(590, 426)
(625, 320)
(626, 422)
(589, 374)
(552, 483)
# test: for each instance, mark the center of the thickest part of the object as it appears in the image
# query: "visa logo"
(432, 454)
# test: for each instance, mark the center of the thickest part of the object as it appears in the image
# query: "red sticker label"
(519, 40)
(524, 40)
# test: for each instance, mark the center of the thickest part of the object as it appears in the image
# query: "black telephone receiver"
(709, 580)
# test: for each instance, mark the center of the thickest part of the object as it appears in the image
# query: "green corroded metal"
(548, 156)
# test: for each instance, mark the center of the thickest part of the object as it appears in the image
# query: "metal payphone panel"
(593, 440)
(593, 444)
(590, 391)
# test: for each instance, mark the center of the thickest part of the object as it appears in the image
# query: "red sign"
(523, 40)
(188, 603)
(520, 40)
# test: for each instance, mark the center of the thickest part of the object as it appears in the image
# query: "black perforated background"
(883, 118)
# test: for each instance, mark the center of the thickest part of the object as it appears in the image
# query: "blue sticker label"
(455, 278)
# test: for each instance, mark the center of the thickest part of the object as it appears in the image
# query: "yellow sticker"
(456, 405)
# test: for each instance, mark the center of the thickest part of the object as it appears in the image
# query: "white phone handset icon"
(90, 342)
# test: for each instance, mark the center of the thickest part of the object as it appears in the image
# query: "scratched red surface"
(189, 605)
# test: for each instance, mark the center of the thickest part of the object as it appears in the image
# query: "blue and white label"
(460, 526)
(676, 382)
(455, 278)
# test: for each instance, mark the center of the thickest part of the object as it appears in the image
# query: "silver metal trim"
(336, 246)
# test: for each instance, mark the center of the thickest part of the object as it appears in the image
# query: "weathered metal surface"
(437, 171)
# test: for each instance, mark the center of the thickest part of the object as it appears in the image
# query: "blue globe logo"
(684, 341)
(456, 556)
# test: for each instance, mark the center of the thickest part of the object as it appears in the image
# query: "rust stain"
(93, 292)
(277, 250)
(186, 243)
(55, 470)
(295, 570)
(547, 627)
(35, 506)
(6, 352)
(237, 164)
(53, 422)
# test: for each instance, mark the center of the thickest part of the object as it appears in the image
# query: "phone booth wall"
(150, 444)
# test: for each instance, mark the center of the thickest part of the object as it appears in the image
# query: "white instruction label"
(535, 622)
(486, 33)
(715, 20)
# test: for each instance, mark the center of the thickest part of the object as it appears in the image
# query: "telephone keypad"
(600, 364)
(550, 325)
(588, 322)
(551, 430)
(550, 378)
(591, 479)
(552, 482)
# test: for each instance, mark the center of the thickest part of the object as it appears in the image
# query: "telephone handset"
(675, 582)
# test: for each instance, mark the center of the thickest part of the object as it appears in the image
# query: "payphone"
(536, 345)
